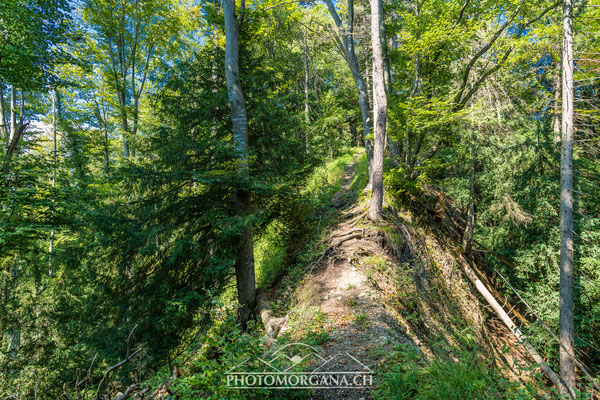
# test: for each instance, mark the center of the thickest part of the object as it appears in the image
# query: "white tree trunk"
(380, 112)
(13, 113)
(2, 115)
(567, 368)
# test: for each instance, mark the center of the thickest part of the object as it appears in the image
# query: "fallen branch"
(271, 323)
(128, 392)
(118, 365)
(482, 289)
(338, 241)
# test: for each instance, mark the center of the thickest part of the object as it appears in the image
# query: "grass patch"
(361, 320)
(282, 242)
(405, 376)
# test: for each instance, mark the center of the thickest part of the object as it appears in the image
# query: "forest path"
(359, 330)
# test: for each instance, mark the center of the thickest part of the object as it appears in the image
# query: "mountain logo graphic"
(292, 356)
(300, 366)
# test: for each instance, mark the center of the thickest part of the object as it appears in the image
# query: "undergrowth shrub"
(406, 376)
(225, 349)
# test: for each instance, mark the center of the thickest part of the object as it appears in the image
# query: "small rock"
(326, 297)
(340, 297)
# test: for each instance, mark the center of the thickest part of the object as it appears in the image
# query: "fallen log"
(271, 323)
(337, 241)
(487, 295)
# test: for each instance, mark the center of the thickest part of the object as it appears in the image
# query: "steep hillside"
(392, 296)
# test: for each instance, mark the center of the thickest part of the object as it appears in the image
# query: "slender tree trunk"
(468, 234)
(54, 165)
(244, 264)
(15, 331)
(124, 124)
(3, 131)
(13, 112)
(135, 111)
(380, 100)
(22, 108)
(213, 76)
(567, 331)
(101, 115)
(306, 82)
(134, 129)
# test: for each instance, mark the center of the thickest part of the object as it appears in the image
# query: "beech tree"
(129, 37)
(379, 110)
(244, 263)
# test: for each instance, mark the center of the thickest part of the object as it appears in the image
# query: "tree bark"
(3, 131)
(469, 228)
(124, 124)
(380, 100)
(556, 126)
(306, 82)
(13, 113)
(567, 331)
(244, 264)
(54, 165)
(22, 107)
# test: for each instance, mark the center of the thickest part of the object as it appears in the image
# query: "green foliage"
(283, 240)
(399, 183)
(406, 376)
(34, 36)
(225, 348)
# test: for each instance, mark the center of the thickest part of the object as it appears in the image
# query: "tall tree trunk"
(15, 331)
(306, 82)
(22, 107)
(13, 112)
(54, 165)
(3, 131)
(134, 129)
(469, 228)
(567, 369)
(244, 264)
(214, 77)
(101, 117)
(380, 100)
(124, 124)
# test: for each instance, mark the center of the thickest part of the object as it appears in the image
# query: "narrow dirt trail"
(360, 329)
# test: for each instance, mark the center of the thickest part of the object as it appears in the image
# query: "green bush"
(406, 376)
(224, 348)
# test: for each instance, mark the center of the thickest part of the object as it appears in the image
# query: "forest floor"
(359, 328)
